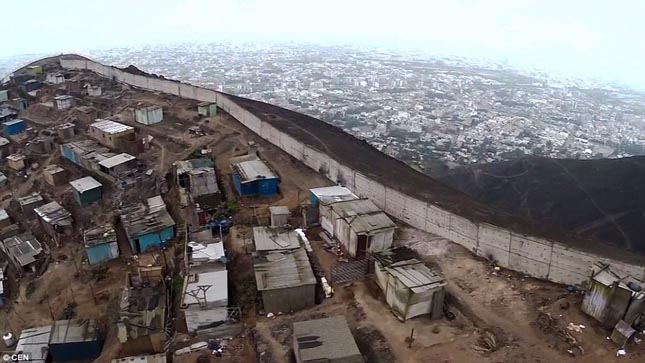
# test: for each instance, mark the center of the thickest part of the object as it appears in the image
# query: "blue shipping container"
(14, 127)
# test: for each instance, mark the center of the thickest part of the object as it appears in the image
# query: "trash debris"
(486, 342)
(637, 341)
(497, 268)
(550, 325)
(575, 328)
(270, 315)
(329, 291)
(621, 352)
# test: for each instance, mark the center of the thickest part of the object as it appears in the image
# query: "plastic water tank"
(9, 340)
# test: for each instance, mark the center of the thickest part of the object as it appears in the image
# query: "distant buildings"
(252, 177)
(325, 340)
(55, 78)
(148, 115)
(147, 225)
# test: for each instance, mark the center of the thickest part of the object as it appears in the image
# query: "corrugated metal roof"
(111, 127)
(99, 235)
(252, 170)
(141, 219)
(29, 199)
(279, 270)
(116, 160)
(83, 185)
(35, 342)
(13, 122)
(415, 275)
(324, 340)
(53, 169)
(352, 208)
(216, 295)
(16, 157)
(62, 97)
(54, 213)
(73, 331)
(371, 223)
(23, 248)
(274, 239)
(206, 252)
(333, 193)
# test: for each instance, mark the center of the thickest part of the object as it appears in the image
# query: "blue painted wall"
(16, 127)
(99, 253)
(76, 351)
(154, 240)
(89, 197)
(263, 187)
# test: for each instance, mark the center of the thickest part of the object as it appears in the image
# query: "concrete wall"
(527, 254)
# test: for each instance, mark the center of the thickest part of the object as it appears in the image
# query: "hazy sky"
(590, 38)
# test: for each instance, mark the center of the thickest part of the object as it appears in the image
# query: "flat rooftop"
(324, 340)
(111, 127)
(83, 185)
(252, 170)
(274, 239)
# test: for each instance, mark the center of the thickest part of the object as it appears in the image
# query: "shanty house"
(7, 113)
(86, 114)
(32, 85)
(86, 190)
(13, 127)
(66, 130)
(198, 177)
(55, 78)
(285, 280)
(101, 244)
(411, 288)
(149, 358)
(279, 216)
(93, 91)
(252, 177)
(207, 109)
(326, 340)
(205, 293)
(55, 220)
(118, 165)
(321, 199)
(4, 95)
(114, 135)
(30, 202)
(148, 226)
(34, 343)
(611, 298)
(24, 251)
(55, 175)
(361, 227)
(75, 341)
(34, 70)
(149, 115)
(5, 221)
(64, 102)
(142, 318)
(16, 161)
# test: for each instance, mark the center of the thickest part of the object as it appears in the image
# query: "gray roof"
(13, 122)
(23, 249)
(73, 331)
(54, 213)
(146, 218)
(371, 223)
(29, 199)
(99, 235)
(352, 208)
(203, 180)
(53, 169)
(415, 275)
(142, 310)
(83, 185)
(252, 170)
(116, 160)
(62, 97)
(216, 295)
(35, 342)
(279, 270)
(324, 340)
(3, 214)
(111, 127)
(333, 194)
(273, 239)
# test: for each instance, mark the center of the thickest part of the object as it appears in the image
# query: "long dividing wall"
(531, 255)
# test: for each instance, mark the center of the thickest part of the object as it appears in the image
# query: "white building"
(55, 78)
(64, 102)
(149, 115)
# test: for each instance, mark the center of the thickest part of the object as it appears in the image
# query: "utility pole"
(51, 312)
